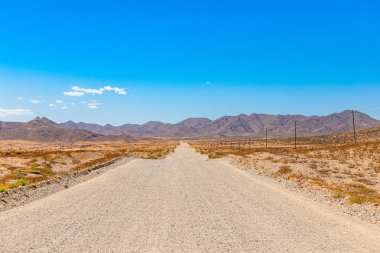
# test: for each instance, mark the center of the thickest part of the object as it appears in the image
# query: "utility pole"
(353, 125)
(295, 134)
(266, 138)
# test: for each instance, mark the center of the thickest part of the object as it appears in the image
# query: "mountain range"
(240, 126)
(249, 126)
(43, 129)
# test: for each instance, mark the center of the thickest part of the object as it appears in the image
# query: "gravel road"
(184, 203)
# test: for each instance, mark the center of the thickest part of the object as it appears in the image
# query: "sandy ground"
(184, 203)
(26, 194)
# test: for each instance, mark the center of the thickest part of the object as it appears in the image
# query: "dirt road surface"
(184, 203)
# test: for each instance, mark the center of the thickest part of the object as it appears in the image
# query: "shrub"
(215, 156)
(152, 157)
(338, 195)
(3, 187)
(358, 199)
(284, 170)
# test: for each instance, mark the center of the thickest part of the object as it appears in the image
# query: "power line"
(368, 107)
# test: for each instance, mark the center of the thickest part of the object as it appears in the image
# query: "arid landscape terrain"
(159, 191)
(189, 126)
(347, 169)
(25, 162)
(41, 149)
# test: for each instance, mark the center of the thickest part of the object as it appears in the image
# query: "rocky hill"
(44, 130)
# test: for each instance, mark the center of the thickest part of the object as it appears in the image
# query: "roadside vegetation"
(25, 163)
(348, 171)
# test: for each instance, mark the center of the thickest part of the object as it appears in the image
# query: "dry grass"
(350, 171)
(24, 163)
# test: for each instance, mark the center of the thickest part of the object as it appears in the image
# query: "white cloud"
(20, 98)
(117, 90)
(34, 101)
(59, 101)
(52, 105)
(93, 105)
(64, 107)
(14, 112)
(90, 91)
(73, 93)
(83, 102)
(78, 91)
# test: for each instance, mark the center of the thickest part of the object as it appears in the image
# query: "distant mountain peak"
(43, 120)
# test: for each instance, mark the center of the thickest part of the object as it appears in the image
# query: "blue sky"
(179, 59)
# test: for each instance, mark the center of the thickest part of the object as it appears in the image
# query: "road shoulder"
(361, 213)
(26, 194)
